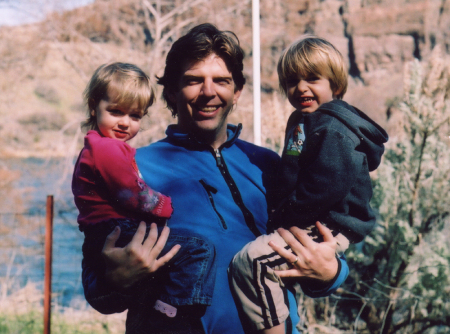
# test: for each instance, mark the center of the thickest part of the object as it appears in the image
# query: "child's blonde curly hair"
(129, 84)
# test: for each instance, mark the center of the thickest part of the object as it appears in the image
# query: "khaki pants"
(260, 293)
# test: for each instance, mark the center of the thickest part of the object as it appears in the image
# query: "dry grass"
(22, 312)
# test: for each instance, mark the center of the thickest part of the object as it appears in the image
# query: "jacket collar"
(174, 134)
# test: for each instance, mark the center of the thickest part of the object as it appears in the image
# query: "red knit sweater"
(106, 183)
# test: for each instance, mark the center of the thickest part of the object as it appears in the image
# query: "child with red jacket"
(111, 195)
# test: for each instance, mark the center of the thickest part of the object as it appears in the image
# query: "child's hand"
(125, 266)
(308, 258)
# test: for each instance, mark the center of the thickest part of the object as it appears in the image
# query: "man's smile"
(208, 109)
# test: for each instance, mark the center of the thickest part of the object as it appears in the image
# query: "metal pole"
(256, 74)
(48, 265)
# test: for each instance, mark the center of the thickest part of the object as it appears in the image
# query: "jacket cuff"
(164, 208)
(316, 288)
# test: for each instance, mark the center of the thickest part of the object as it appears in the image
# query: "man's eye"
(191, 82)
(223, 81)
(136, 116)
(115, 112)
(313, 78)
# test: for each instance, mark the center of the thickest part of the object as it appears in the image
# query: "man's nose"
(208, 88)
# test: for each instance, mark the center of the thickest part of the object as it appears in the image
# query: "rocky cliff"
(45, 66)
(376, 36)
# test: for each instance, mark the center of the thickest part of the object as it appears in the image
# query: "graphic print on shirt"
(148, 198)
(294, 140)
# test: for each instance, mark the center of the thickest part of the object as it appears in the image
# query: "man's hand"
(308, 258)
(137, 260)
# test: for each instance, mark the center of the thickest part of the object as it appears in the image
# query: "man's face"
(206, 94)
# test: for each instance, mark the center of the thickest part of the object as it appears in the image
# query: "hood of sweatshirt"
(371, 135)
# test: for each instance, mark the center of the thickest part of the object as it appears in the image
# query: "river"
(22, 212)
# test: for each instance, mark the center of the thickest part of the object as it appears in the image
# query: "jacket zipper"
(218, 157)
(248, 216)
(211, 190)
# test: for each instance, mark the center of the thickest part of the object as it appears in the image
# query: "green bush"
(401, 272)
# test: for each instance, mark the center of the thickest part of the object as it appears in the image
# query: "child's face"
(307, 94)
(118, 122)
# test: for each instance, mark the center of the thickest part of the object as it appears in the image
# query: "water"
(23, 239)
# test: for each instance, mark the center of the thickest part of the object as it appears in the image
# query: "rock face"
(44, 67)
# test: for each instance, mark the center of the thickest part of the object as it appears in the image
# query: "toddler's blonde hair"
(126, 81)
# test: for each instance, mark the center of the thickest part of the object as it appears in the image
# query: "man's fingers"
(154, 262)
(153, 245)
(163, 236)
(152, 236)
(287, 254)
(296, 238)
(167, 257)
(302, 236)
(288, 273)
(139, 236)
(111, 239)
(325, 231)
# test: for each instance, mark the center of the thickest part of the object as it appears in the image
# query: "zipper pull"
(218, 157)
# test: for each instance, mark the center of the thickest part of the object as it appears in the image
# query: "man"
(218, 185)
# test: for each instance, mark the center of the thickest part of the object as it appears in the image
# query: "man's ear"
(171, 97)
(236, 96)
